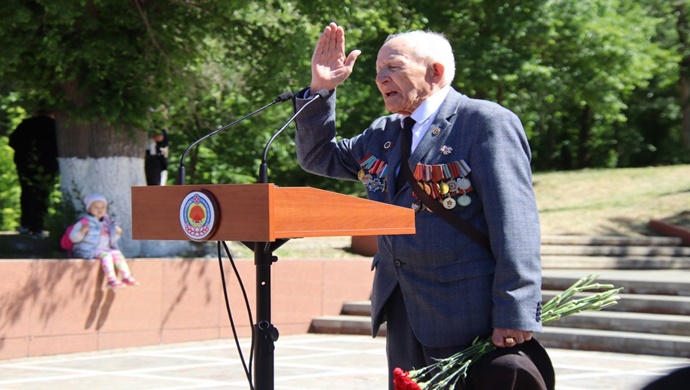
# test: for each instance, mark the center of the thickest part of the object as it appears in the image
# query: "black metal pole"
(265, 333)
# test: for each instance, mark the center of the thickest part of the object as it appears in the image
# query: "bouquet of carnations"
(445, 373)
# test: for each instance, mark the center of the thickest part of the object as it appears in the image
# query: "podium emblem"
(199, 215)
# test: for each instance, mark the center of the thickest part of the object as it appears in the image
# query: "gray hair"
(430, 47)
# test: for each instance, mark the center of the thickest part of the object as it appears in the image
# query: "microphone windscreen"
(322, 93)
(284, 96)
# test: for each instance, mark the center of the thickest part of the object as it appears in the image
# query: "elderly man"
(473, 267)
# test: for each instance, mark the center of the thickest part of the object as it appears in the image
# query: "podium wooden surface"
(266, 212)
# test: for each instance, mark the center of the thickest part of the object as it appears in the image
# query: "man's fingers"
(350, 62)
(503, 338)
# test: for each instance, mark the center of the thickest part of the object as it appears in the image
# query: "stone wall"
(50, 306)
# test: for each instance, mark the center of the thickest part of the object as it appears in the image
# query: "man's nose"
(381, 76)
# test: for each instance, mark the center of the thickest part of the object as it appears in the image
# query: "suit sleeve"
(318, 151)
(503, 179)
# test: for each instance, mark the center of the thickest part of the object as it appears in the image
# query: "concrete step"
(611, 250)
(357, 308)
(631, 303)
(561, 336)
(342, 324)
(611, 240)
(627, 322)
(614, 262)
(615, 341)
(655, 282)
(652, 316)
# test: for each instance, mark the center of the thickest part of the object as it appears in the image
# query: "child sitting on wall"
(95, 236)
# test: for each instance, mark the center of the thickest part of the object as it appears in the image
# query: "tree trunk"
(100, 158)
(584, 155)
(683, 30)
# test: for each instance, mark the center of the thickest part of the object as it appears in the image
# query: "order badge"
(199, 215)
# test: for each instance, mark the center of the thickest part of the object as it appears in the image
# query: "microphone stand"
(263, 258)
(265, 333)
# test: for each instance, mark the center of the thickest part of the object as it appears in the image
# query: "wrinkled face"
(98, 209)
(404, 83)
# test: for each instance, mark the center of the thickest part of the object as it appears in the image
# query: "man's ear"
(435, 72)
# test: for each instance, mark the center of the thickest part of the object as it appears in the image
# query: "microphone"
(181, 171)
(263, 168)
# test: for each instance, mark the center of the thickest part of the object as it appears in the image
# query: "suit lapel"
(437, 133)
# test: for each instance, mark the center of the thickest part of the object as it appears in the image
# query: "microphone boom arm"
(263, 168)
(181, 171)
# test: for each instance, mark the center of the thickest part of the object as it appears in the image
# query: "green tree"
(107, 67)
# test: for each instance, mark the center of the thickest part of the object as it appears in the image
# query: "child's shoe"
(130, 281)
(114, 283)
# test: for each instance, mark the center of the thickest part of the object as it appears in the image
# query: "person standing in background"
(35, 156)
(156, 163)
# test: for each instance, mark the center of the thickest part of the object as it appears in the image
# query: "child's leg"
(121, 264)
(107, 265)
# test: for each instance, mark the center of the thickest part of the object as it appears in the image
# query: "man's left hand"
(504, 338)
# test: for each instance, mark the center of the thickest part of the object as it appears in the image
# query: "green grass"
(612, 201)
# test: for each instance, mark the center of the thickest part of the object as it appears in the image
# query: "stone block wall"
(50, 306)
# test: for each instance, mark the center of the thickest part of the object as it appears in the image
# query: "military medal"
(372, 173)
(463, 183)
(464, 200)
(449, 203)
(447, 183)
(375, 185)
(452, 186)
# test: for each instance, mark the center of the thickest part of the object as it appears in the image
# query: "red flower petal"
(402, 380)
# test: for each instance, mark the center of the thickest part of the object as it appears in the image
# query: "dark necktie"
(405, 146)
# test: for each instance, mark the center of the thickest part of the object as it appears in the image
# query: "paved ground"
(309, 361)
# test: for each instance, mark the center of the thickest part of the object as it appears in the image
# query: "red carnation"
(402, 381)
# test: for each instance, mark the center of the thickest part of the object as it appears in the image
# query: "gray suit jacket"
(454, 289)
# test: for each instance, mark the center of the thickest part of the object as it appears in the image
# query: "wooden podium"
(264, 217)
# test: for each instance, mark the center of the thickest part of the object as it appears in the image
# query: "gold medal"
(360, 174)
(443, 188)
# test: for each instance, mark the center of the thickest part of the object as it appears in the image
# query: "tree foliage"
(597, 83)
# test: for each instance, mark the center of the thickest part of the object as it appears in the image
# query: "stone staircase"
(652, 316)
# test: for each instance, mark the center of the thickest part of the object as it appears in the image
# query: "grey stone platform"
(302, 362)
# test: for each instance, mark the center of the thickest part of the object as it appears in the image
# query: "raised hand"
(329, 65)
